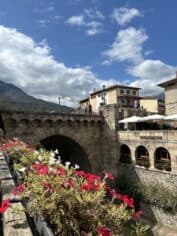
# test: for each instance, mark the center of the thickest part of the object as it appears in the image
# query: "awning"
(135, 119)
(153, 117)
(171, 117)
(132, 119)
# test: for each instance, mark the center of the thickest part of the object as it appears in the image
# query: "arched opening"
(24, 124)
(142, 156)
(69, 150)
(125, 154)
(48, 123)
(162, 159)
(10, 123)
(37, 123)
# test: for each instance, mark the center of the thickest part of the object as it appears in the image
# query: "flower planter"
(42, 227)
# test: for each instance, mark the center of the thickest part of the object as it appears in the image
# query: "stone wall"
(156, 214)
(151, 140)
(137, 174)
(90, 132)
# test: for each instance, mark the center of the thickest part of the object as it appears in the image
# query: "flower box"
(42, 227)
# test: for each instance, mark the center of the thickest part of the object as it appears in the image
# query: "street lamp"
(59, 98)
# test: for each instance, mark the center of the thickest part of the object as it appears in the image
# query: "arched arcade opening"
(142, 156)
(162, 160)
(125, 154)
(69, 150)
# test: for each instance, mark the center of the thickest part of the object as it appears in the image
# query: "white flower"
(22, 169)
(56, 151)
(68, 163)
(76, 167)
(39, 158)
(52, 154)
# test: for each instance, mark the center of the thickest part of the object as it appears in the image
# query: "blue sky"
(67, 48)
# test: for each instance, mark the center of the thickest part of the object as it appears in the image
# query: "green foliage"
(154, 194)
(71, 201)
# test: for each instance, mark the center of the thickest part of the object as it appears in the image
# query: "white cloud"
(94, 14)
(43, 23)
(90, 20)
(124, 15)
(150, 73)
(76, 20)
(94, 27)
(30, 66)
(128, 46)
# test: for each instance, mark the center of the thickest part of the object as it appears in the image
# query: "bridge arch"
(142, 156)
(162, 159)
(69, 150)
(125, 154)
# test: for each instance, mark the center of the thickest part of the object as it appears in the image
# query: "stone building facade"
(152, 105)
(123, 96)
(156, 146)
(170, 87)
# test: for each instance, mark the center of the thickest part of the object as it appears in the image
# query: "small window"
(122, 91)
(128, 92)
(134, 92)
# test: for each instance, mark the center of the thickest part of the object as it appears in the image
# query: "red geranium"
(108, 175)
(137, 215)
(18, 189)
(41, 169)
(61, 171)
(103, 231)
(4, 205)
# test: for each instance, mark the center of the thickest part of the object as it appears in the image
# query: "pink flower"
(18, 189)
(103, 231)
(41, 169)
(137, 215)
(79, 173)
(4, 205)
(61, 171)
(47, 186)
(128, 201)
(108, 175)
(68, 184)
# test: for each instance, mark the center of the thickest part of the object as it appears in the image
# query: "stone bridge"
(86, 140)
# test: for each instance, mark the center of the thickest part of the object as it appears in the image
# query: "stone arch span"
(69, 150)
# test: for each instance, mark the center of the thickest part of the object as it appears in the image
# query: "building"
(152, 104)
(124, 96)
(84, 104)
(170, 87)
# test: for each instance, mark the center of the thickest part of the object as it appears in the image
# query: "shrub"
(154, 194)
(72, 201)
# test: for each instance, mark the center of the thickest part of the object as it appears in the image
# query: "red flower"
(47, 186)
(79, 173)
(41, 169)
(4, 205)
(18, 189)
(103, 231)
(68, 184)
(61, 171)
(137, 215)
(128, 201)
(108, 175)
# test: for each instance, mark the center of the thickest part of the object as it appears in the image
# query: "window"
(128, 91)
(121, 91)
(134, 92)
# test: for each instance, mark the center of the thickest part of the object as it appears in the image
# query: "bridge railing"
(42, 108)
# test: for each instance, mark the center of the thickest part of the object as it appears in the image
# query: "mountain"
(14, 98)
